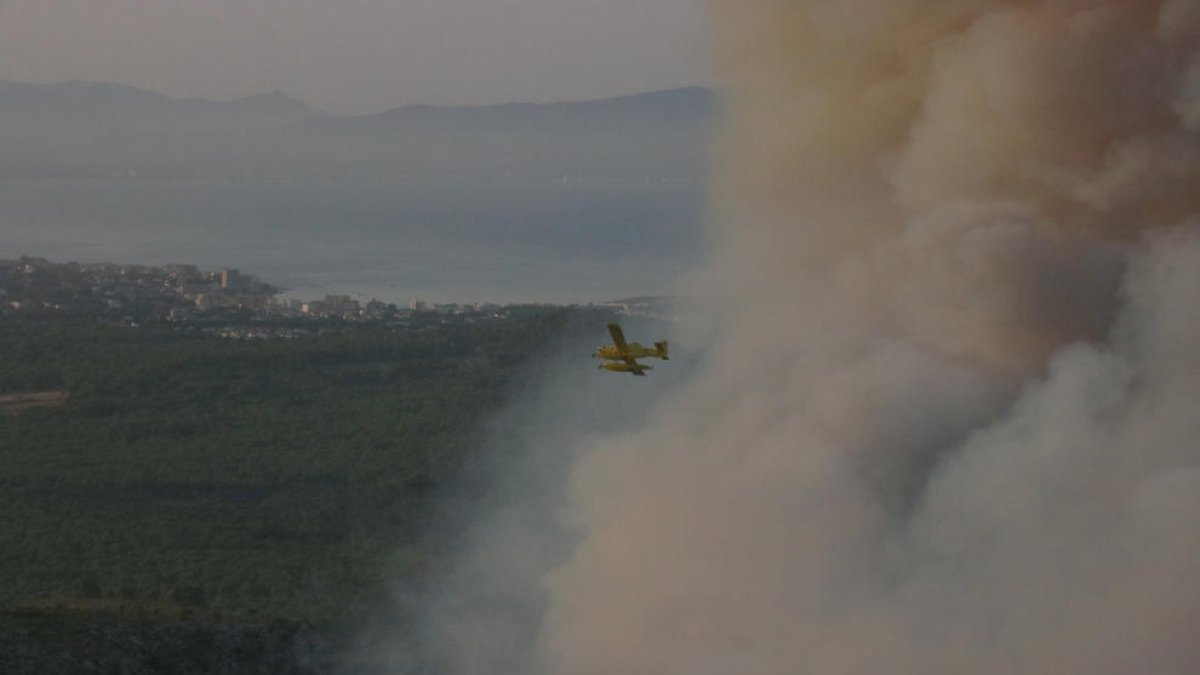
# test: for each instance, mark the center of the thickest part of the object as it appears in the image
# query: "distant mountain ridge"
(104, 129)
(686, 100)
(90, 97)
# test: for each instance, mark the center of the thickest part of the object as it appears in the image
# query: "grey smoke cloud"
(948, 422)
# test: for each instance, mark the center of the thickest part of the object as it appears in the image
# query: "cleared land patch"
(13, 404)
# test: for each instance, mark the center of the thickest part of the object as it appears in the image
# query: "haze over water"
(436, 241)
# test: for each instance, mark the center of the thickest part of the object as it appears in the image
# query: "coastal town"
(223, 301)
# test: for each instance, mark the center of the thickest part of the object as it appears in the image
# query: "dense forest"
(183, 474)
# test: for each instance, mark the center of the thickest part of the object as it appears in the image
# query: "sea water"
(447, 241)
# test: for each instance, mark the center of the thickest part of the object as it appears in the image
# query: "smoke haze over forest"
(946, 420)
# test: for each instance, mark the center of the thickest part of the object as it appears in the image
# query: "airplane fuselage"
(622, 356)
(633, 350)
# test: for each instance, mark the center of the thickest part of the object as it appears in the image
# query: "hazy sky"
(361, 55)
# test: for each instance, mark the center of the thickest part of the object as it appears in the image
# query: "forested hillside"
(176, 473)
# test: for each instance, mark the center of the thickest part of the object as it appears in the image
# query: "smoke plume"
(948, 421)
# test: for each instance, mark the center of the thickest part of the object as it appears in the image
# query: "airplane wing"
(618, 338)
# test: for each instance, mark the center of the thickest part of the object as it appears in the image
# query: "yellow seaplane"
(624, 355)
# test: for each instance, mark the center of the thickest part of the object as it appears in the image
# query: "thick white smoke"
(949, 422)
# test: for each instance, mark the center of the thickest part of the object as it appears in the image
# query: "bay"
(437, 241)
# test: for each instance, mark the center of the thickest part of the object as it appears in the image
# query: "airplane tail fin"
(662, 349)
